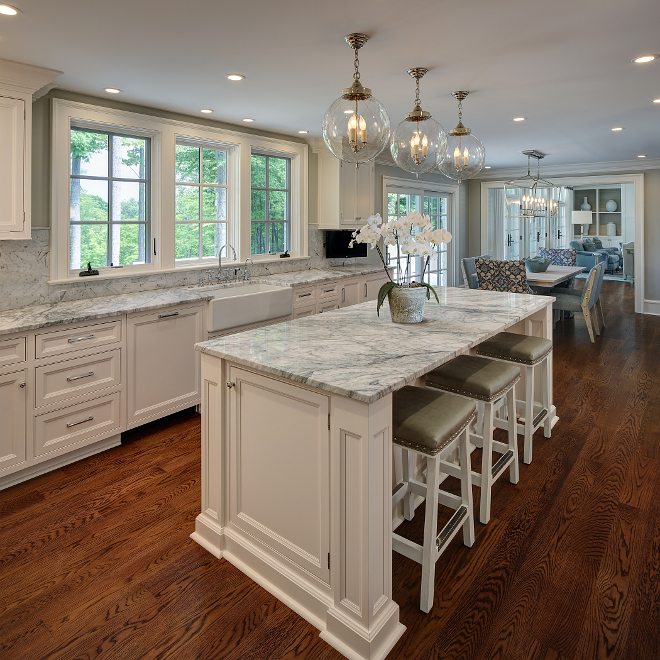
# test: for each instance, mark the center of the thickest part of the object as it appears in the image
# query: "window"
(200, 222)
(436, 206)
(109, 223)
(271, 204)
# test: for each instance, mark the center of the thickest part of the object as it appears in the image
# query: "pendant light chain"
(418, 102)
(460, 111)
(356, 73)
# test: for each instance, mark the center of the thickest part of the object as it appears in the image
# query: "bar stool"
(528, 352)
(488, 382)
(432, 425)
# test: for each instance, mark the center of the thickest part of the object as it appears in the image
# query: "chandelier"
(418, 142)
(465, 152)
(356, 127)
(541, 197)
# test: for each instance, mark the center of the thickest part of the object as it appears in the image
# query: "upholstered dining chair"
(469, 271)
(506, 276)
(561, 257)
(586, 300)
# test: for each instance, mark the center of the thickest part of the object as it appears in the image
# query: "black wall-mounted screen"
(336, 245)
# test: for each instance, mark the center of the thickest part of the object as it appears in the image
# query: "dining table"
(553, 276)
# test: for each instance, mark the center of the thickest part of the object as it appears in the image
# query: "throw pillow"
(588, 246)
(598, 243)
(560, 257)
(507, 276)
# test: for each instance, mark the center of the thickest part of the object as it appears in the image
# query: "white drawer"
(326, 306)
(13, 351)
(68, 340)
(77, 377)
(303, 310)
(304, 296)
(328, 290)
(78, 425)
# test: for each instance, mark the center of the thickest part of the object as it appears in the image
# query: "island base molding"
(313, 605)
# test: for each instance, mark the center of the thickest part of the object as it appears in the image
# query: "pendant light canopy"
(465, 152)
(356, 126)
(418, 142)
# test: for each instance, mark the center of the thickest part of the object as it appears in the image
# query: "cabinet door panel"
(275, 502)
(372, 286)
(12, 128)
(350, 293)
(12, 413)
(163, 365)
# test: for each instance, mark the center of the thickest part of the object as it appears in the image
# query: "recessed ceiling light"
(519, 118)
(206, 111)
(235, 76)
(113, 90)
(618, 128)
(487, 167)
(248, 119)
(644, 59)
(303, 132)
(8, 10)
(641, 156)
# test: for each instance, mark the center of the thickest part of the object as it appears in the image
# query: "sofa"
(588, 255)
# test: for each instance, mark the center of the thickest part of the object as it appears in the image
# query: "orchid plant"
(413, 236)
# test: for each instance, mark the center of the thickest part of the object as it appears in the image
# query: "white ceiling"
(563, 64)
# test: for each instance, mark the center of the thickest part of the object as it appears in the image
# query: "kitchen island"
(297, 460)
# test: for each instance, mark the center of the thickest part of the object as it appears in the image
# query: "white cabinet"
(346, 193)
(17, 83)
(163, 365)
(350, 292)
(13, 400)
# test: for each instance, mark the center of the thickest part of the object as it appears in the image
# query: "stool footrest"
(407, 548)
(447, 531)
(501, 464)
(538, 418)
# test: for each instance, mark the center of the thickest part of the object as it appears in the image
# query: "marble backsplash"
(24, 273)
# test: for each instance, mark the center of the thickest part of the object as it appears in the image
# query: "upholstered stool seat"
(528, 352)
(488, 382)
(432, 425)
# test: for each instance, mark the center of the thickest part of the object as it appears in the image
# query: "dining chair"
(586, 300)
(469, 271)
(506, 276)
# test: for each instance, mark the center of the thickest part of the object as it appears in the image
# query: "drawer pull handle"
(304, 295)
(70, 378)
(82, 421)
(23, 384)
(71, 341)
(164, 316)
(329, 290)
(343, 294)
(365, 290)
(231, 384)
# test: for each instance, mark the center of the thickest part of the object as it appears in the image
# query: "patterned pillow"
(598, 243)
(588, 246)
(559, 257)
(509, 276)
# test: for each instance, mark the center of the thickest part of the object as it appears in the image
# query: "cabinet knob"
(23, 384)
(230, 384)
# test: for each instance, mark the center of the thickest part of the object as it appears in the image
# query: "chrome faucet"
(246, 272)
(220, 257)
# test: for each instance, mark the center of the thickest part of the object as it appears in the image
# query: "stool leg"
(429, 552)
(466, 488)
(547, 387)
(486, 464)
(513, 435)
(408, 498)
(529, 414)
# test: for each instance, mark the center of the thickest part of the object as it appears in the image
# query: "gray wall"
(651, 225)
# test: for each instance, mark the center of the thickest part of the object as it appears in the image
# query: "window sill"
(178, 269)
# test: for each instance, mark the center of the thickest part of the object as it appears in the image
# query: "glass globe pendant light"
(418, 142)
(356, 126)
(465, 152)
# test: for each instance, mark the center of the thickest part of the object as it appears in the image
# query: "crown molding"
(25, 77)
(622, 166)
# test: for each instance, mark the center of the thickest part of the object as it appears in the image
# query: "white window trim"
(164, 134)
(395, 184)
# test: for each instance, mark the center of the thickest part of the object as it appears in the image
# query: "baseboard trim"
(652, 307)
(58, 462)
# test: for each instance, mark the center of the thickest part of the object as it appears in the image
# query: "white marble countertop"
(41, 316)
(355, 353)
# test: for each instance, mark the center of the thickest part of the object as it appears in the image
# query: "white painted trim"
(576, 169)
(164, 133)
(597, 180)
(25, 78)
(652, 307)
(453, 190)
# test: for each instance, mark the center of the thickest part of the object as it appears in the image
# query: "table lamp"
(583, 218)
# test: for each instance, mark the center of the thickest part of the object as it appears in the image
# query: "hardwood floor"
(95, 559)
